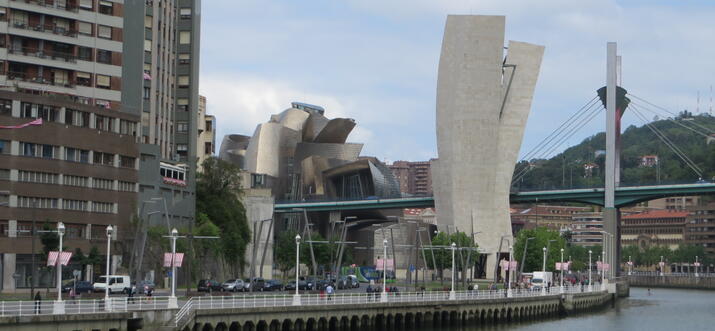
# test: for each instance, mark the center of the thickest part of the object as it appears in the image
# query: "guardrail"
(284, 300)
(86, 306)
(670, 274)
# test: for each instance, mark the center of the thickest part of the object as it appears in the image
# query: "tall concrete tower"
(483, 101)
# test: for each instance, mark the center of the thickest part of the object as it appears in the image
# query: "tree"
(49, 239)
(218, 189)
(534, 254)
(441, 246)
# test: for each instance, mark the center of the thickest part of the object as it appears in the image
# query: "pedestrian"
(130, 293)
(72, 294)
(38, 303)
(329, 290)
(368, 290)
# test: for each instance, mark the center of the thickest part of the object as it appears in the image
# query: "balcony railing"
(51, 4)
(25, 77)
(66, 57)
(47, 28)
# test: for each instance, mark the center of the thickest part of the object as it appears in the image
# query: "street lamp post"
(523, 256)
(630, 264)
(697, 264)
(590, 286)
(383, 295)
(661, 264)
(107, 303)
(59, 307)
(561, 288)
(603, 270)
(173, 303)
(509, 272)
(296, 297)
(452, 294)
(543, 267)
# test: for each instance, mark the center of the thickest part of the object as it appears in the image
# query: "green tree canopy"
(534, 252)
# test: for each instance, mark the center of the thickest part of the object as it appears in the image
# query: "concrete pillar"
(15, 108)
(8, 270)
(12, 228)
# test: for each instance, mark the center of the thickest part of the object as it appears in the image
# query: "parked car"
(354, 280)
(309, 283)
(82, 287)
(321, 284)
(273, 285)
(208, 285)
(259, 282)
(347, 282)
(117, 284)
(234, 285)
(145, 285)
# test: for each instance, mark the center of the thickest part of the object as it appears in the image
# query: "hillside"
(567, 169)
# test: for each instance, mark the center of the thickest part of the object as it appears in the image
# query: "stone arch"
(490, 316)
(471, 316)
(419, 322)
(262, 326)
(322, 324)
(428, 318)
(380, 322)
(299, 325)
(207, 327)
(355, 323)
(399, 321)
(311, 325)
(365, 322)
(482, 316)
(495, 316)
(454, 317)
(344, 324)
(235, 326)
(221, 327)
(333, 324)
(437, 319)
(287, 325)
(409, 321)
(249, 326)
(390, 320)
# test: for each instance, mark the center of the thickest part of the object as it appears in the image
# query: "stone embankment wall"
(673, 281)
(391, 316)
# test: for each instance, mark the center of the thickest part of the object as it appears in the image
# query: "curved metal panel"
(336, 131)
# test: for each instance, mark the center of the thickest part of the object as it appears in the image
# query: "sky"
(376, 61)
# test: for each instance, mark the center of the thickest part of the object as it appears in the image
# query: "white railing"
(283, 300)
(83, 306)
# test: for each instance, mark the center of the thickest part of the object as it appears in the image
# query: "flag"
(65, 258)
(167, 259)
(178, 259)
(20, 126)
(52, 258)
(147, 76)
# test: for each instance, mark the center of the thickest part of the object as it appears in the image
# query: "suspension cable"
(669, 143)
(669, 112)
(671, 119)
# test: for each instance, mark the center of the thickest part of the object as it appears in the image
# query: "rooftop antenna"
(697, 106)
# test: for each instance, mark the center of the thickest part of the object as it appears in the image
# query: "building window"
(185, 37)
(147, 45)
(103, 158)
(209, 126)
(182, 147)
(4, 147)
(86, 4)
(147, 93)
(106, 7)
(84, 78)
(184, 58)
(126, 186)
(84, 53)
(183, 81)
(104, 31)
(104, 56)
(127, 161)
(38, 177)
(33, 202)
(207, 148)
(78, 205)
(103, 123)
(33, 110)
(84, 28)
(5, 107)
(103, 81)
(183, 104)
(185, 13)
(182, 127)
(102, 184)
(70, 180)
(127, 127)
(102, 207)
(4, 174)
(147, 22)
(77, 118)
(76, 155)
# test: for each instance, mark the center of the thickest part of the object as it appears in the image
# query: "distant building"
(415, 178)
(676, 203)
(700, 227)
(206, 144)
(654, 228)
(586, 229)
(423, 215)
(649, 160)
(599, 153)
(554, 217)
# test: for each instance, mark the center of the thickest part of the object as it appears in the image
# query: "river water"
(664, 309)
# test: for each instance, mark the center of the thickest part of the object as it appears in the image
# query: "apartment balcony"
(55, 56)
(52, 4)
(27, 81)
(42, 30)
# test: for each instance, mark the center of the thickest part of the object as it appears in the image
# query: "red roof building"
(654, 228)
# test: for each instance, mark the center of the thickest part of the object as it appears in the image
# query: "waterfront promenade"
(344, 311)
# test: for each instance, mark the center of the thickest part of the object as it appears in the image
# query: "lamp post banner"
(177, 260)
(52, 258)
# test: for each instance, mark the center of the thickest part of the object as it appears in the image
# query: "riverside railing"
(284, 300)
(86, 306)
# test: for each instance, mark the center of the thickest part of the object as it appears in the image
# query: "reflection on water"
(664, 309)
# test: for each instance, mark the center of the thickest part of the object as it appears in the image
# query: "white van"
(117, 284)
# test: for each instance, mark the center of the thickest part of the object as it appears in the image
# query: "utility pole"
(610, 212)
